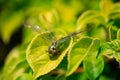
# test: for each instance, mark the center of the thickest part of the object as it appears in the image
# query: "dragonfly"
(56, 46)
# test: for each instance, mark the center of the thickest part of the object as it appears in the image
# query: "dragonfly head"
(52, 48)
(53, 52)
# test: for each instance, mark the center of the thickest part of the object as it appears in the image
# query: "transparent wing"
(39, 30)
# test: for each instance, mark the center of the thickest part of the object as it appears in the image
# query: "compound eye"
(52, 48)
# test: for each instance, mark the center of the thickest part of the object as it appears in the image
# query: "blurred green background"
(13, 14)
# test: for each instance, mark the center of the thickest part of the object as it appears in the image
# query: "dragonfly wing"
(62, 44)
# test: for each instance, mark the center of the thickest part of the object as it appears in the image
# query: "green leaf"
(78, 76)
(106, 7)
(77, 54)
(111, 49)
(118, 34)
(93, 49)
(117, 56)
(38, 56)
(115, 12)
(84, 47)
(27, 36)
(60, 77)
(93, 67)
(107, 50)
(88, 17)
(24, 76)
(15, 64)
(49, 19)
(103, 77)
(117, 50)
(10, 25)
(112, 33)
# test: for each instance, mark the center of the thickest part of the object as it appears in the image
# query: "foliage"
(80, 57)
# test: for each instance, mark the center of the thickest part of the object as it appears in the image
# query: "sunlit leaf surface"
(77, 54)
(89, 17)
(38, 56)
